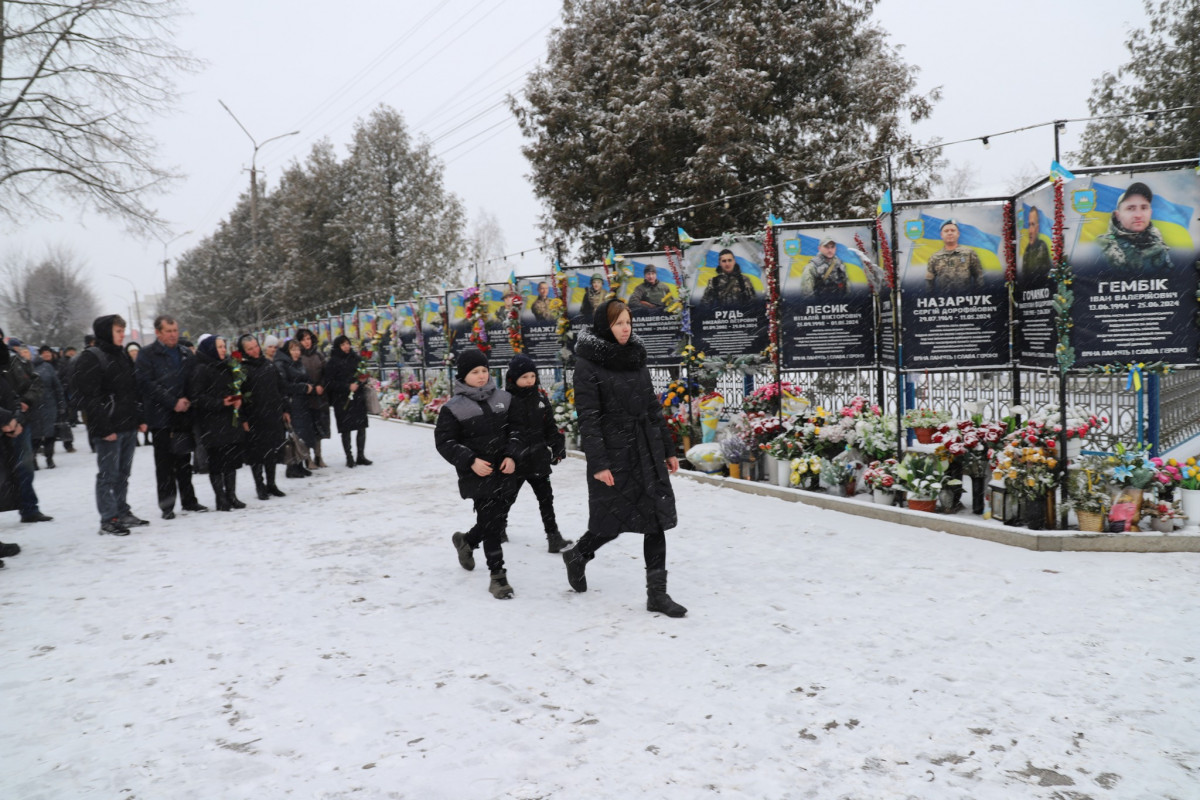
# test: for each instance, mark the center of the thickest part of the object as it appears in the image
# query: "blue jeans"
(23, 472)
(114, 461)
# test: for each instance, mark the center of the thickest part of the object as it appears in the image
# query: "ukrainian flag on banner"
(664, 273)
(809, 247)
(402, 318)
(581, 281)
(386, 317)
(351, 322)
(1043, 228)
(337, 326)
(1171, 219)
(324, 330)
(986, 245)
(367, 325)
(456, 307)
(749, 269)
(433, 311)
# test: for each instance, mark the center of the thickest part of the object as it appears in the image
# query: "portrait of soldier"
(1132, 244)
(825, 274)
(953, 269)
(729, 287)
(651, 294)
(593, 297)
(1035, 260)
(540, 307)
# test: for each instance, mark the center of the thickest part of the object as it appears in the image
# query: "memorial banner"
(433, 331)
(587, 288)
(827, 309)
(458, 327)
(1132, 245)
(402, 329)
(954, 299)
(1034, 335)
(540, 310)
(729, 312)
(325, 331)
(653, 299)
(499, 299)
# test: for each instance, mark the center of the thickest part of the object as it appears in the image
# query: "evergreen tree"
(642, 107)
(1162, 73)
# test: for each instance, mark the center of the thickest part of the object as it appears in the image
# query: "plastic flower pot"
(735, 470)
(1163, 525)
(924, 435)
(1189, 501)
(883, 497)
(929, 505)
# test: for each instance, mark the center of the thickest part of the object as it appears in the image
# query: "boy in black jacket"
(531, 420)
(472, 434)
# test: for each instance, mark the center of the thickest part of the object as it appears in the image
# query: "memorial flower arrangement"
(765, 398)
(562, 399)
(882, 474)
(512, 320)
(875, 436)
(925, 418)
(789, 444)
(476, 312)
(805, 467)
(1131, 467)
(734, 449)
(1080, 422)
(362, 376)
(970, 443)
(1087, 487)
(1167, 475)
(923, 475)
(840, 472)
(1190, 475)
(1026, 470)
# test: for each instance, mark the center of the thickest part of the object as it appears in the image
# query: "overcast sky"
(447, 64)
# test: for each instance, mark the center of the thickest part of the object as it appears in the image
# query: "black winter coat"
(209, 383)
(105, 386)
(161, 385)
(296, 387)
(621, 428)
(531, 421)
(52, 405)
(24, 382)
(351, 413)
(474, 424)
(266, 401)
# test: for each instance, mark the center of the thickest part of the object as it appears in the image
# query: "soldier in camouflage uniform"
(540, 308)
(650, 293)
(953, 269)
(1035, 261)
(729, 287)
(825, 274)
(1132, 244)
(593, 298)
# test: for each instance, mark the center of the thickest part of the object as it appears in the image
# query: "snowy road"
(328, 645)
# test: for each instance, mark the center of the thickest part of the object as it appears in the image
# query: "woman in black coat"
(215, 404)
(630, 456)
(264, 415)
(347, 397)
(318, 404)
(298, 390)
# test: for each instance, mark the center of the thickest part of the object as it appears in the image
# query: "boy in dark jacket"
(531, 420)
(472, 434)
(107, 389)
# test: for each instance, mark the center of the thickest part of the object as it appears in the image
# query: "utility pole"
(254, 201)
(166, 281)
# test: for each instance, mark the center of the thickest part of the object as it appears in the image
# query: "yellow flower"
(997, 475)
(1191, 462)
(817, 431)
(1051, 463)
(1030, 481)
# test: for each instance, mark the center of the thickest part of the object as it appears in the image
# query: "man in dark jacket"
(105, 384)
(162, 370)
(22, 393)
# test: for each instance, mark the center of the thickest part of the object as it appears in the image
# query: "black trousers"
(172, 472)
(654, 547)
(491, 522)
(545, 498)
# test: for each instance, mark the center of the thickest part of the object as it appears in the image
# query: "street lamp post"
(254, 195)
(166, 282)
(137, 304)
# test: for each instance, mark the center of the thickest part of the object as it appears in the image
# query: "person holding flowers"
(215, 389)
(345, 380)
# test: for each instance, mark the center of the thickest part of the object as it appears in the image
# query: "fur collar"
(623, 358)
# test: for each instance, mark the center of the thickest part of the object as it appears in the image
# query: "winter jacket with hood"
(621, 428)
(340, 369)
(53, 404)
(474, 424)
(105, 385)
(531, 421)
(297, 388)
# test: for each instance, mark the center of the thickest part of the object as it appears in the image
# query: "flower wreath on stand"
(476, 312)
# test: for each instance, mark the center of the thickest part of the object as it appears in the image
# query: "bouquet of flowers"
(839, 473)
(1087, 489)
(925, 418)
(763, 428)
(805, 467)
(1167, 475)
(787, 445)
(362, 376)
(734, 449)
(562, 399)
(881, 474)
(1190, 475)
(923, 475)
(1027, 471)
(1131, 467)
(875, 436)
(429, 411)
(1163, 510)
(1080, 422)
(237, 377)
(766, 398)
(970, 443)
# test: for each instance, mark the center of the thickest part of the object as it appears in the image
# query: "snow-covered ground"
(328, 645)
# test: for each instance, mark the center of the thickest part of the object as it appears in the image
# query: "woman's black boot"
(260, 487)
(272, 488)
(231, 490)
(217, 479)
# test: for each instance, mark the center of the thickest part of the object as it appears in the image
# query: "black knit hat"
(519, 365)
(469, 360)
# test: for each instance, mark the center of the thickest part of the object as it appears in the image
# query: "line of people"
(211, 409)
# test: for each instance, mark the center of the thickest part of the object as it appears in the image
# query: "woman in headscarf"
(348, 398)
(216, 399)
(265, 416)
(630, 454)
